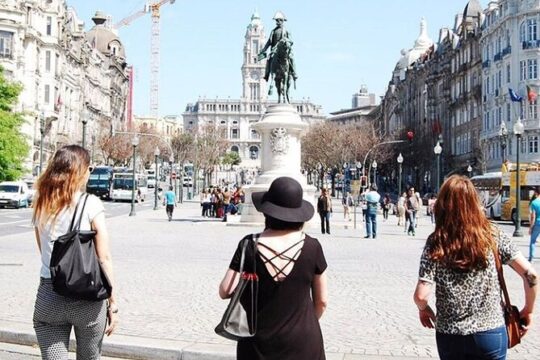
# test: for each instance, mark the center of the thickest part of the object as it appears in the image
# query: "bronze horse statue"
(280, 70)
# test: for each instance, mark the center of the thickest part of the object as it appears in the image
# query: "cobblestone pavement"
(168, 273)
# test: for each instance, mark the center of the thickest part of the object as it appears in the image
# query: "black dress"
(287, 327)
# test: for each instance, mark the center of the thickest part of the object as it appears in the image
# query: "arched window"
(523, 32)
(253, 152)
(234, 148)
(531, 30)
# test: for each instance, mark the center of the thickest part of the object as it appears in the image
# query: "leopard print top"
(468, 302)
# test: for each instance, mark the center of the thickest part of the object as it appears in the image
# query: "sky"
(339, 45)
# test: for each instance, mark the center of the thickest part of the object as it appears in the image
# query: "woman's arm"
(104, 256)
(320, 294)
(421, 297)
(530, 284)
(36, 231)
(228, 284)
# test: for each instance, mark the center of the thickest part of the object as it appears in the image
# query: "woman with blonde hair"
(459, 259)
(59, 190)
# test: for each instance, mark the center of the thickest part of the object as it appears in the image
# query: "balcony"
(497, 57)
(507, 50)
(486, 64)
(532, 44)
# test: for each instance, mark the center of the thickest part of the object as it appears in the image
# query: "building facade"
(236, 117)
(510, 46)
(71, 79)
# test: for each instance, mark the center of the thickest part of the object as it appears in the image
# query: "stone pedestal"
(281, 128)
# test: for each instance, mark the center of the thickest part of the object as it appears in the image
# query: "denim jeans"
(484, 345)
(325, 220)
(532, 245)
(412, 221)
(371, 223)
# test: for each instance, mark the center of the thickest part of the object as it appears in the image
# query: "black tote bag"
(240, 318)
(75, 268)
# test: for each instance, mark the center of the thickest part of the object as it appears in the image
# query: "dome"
(472, 10)
(104, 39)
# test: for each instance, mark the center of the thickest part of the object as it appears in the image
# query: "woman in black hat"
(291, 268)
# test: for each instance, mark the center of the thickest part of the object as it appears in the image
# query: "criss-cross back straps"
(281, 255)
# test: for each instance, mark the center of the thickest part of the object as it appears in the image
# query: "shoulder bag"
(511, 312)
(75, 269)
(240, 318)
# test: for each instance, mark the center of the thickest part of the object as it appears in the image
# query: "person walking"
(431, 205)
(401, 210)
(227, 196)
(459, 261)
(372, 201)
(411, 208)
(169, 200)
(534, 221)
(324, 209)
(291, 269)
(59, 189)
(347, 201)
(386, 205)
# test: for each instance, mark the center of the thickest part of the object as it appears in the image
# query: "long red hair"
(65, 174)
(463, 238)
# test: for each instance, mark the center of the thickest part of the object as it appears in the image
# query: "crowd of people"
(217, 202)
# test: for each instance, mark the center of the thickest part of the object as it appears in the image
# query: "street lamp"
(469, 170)
(156, 154)
(171, 159)
(374, 166)
(518, 130)
(42, 132)
(84, 122)
(438, 150)
(400, 162)
(358, 168)
(503, 135)
(134, 143)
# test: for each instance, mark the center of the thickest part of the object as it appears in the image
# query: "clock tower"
(254, 86)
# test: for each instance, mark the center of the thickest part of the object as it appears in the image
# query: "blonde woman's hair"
(64, 176)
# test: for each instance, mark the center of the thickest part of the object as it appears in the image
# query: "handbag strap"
(78, 226)
(254, 239)
(500, 275)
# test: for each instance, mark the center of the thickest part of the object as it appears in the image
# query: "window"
(6, 44)
(523, 70)
(49, 25)
(254, 135)
(508, 113)
(523, 146)
(234, 148)
(533, 68)
(255, 47)
(533, 144)
(523, 32)
(235, 134)
(533, 110)
(508, 73)
(531, 30)
(47, 61)
(47, 95)
(253, 152)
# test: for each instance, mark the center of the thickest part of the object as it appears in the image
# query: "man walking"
(372, 201)
(169, 201)
(324, 208)
(411, 207)
(534, 220)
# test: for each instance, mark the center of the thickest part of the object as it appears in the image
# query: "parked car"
(187, 181)
(14, 194)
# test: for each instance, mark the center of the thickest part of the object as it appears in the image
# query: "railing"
(497, 57)
(507, 50)
(532, 44)
(486, 64)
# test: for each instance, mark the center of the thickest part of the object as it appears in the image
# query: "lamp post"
(171, 159)
(134, 143)
(42, 132)
(156, 154)
(84, 122)
(438, 150)
(400, 162)
(503, 136)
(374, 166)
(469, 170)
(518, 130)
(358, 168)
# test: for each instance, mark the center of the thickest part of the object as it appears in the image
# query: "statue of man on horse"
(280, 64)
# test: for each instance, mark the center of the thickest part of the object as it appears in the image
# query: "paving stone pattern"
(168, 273)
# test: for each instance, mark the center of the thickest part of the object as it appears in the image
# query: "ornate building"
(69, 77)
(235, 117)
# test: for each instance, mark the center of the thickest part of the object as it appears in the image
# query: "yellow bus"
(529, 178)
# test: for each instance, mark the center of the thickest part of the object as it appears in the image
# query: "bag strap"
(82, 212)
(254, 239)
(75, 213)
(500, 275)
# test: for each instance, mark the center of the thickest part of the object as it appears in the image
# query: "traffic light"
(363, 181)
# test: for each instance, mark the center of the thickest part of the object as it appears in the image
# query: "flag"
(514, 96)
(58, 103)
(531, 94)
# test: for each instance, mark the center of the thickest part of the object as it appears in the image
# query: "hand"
(427, 317)
(112, 320)
(525, 320)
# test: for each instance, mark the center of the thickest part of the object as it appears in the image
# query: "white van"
(14, 194)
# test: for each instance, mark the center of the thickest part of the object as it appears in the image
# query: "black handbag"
(75, 269)
(240, 318)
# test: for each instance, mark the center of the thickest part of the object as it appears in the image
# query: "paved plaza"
(167, 276)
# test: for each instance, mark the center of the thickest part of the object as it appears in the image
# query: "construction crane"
(152, 7)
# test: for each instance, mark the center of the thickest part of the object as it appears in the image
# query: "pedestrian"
(202, 198)
(363, 206)
(59, 189)
(386, 205)
(206, 203)
(411, 208)
(534, 221)
(227, 196)
(347, 201)
(401, 210)
(292, 279)
(431, 206)
(324, 209)
(372, 201)
(459, 261)
(169, 202)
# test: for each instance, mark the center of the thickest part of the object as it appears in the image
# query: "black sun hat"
(284, 201)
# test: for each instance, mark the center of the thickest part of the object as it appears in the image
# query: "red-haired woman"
(59, 189)
(458, 259)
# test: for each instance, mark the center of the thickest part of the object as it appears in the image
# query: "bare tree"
(210, 147)
(116, 149)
